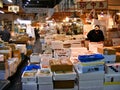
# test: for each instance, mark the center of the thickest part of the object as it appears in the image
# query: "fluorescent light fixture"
(10, 1)
(2, 11)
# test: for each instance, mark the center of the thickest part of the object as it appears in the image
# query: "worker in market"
(5, 34)
(95, 35)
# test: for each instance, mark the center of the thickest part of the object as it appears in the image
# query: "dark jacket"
(5, 35)
(95, 36)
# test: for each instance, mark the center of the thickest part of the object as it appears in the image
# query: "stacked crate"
(90, 74)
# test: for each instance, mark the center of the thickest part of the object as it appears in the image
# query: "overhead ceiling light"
(2, 11)
(10, 1)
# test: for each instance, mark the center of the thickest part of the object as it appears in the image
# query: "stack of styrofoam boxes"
(3, 70)
(12, 65)
(112, 77)
(35, 58)
(109, 54)
(61, 81)
(90, 81)
(44, 77)
(90, 74)
(93, 46)
(29, 80)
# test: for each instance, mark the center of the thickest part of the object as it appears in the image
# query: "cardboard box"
(56, 65)
(29, 86)
(45, 87)
(29, 76)
(108, 43)
(17, 54)
(61, 75)
(117, 57)
(90, 76)
(116, 41)
(44, 76)
(106, 50)
(117, 48)
(63, 84)
(35, 58)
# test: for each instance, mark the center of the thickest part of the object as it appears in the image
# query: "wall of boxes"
(62, 68)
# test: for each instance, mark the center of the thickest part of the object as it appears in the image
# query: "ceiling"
(40, 3)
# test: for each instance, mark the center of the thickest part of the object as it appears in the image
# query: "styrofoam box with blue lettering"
(91, 68)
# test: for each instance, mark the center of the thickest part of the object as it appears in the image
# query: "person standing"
(5, 34)
(95, 35)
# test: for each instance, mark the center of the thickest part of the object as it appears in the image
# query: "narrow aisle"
(15, 80)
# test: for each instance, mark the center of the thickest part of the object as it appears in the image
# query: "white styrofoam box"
(62, 52)
(91, 83)
(35, 58)
(91, 88)
(112, 78)
(90, 76)
(112, 87)
(91, 68)
(1, 57)
(80, 49)
(45, 86)
(45, 59)
(29, 76)
(116, 41)
(93, 46)
(11, 67)
(44, 76)
(56, 44)
(29, 86)
(64, 75)
(109, 58)
(22, 48)
(112, 68)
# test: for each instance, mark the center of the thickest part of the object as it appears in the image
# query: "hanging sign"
(1, 3)
(92, 5)
(13, 8)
